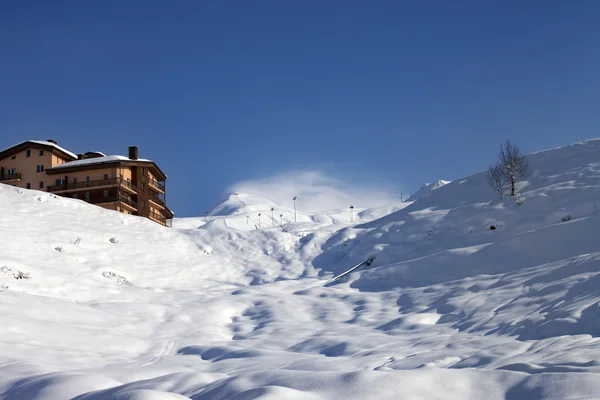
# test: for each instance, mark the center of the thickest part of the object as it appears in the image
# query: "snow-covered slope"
(427, 188)
(99, 305)
(240, 211)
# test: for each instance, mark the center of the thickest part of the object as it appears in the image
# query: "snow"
(111, 306)
(46, 143)
(240, 212)
(94, 161)
(427, 188)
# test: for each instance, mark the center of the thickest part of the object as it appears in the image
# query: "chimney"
(52, 141)
(80, 156)
(133, 152)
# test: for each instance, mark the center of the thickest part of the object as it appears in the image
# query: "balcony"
(157, 218)
(8, 178)
(73, 187)
(159, 187)
(160, 203)
(113, 199)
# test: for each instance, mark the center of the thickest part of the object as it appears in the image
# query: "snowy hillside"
(427, 188)
(470, 296)
(240, 211)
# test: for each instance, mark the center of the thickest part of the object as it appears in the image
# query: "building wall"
(125, 172)
(27, 167)
(57, 160)
(94, 175)
(140, 177)
(151, 176)
(109, 206)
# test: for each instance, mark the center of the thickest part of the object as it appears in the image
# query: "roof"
(97, 160)
(96, 153)
(42, 143)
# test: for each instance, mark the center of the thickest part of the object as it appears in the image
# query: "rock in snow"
(225, 306)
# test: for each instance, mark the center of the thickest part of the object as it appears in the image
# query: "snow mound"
(241, 203)
(427, 188)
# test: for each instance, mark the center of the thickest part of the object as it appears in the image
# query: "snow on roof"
(46, 143)
(96, 152)
(97, 160)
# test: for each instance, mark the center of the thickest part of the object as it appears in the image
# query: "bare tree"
(511, 168)
(495, 178)
(515, 166)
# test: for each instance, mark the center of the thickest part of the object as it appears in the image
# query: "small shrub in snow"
(566, 218)
(59, 248)
(18, 275)
(492, 227)
(519, 201)
(113, 240)
(76, 241)
(116, 278)
(21, 275)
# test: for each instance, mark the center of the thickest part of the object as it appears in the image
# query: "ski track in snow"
(109, 306)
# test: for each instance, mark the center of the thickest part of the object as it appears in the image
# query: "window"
(28, 185)
(106, 193)
(41, 152)
(87, 178)
(143, 187)
(13, 157)
(143, 203)
(12, 171)
(40, 168)
(41, 184)
(105, 177)
(60, 182)
(87, 196)
(74, 180)
(75, 196)
(28, 153)
(142, 170)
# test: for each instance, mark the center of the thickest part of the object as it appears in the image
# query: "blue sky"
(381, 95)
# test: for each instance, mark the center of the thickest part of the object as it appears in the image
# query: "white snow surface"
(45, 142)
(96, 160)
(97, 305)
(428, 187)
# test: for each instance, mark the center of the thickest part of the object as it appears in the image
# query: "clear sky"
(381, 95)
